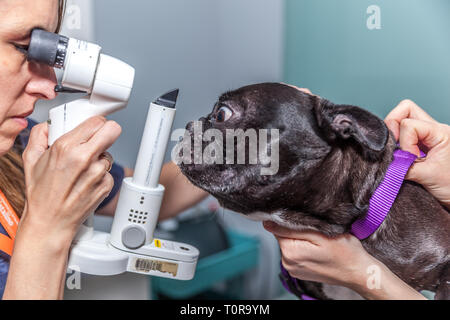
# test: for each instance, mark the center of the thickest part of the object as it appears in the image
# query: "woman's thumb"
(37, 144)
(418, 172)
(412, 133)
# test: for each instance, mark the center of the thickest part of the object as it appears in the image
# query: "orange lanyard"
(9, 220)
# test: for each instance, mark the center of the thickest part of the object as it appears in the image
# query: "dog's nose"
(206, 123)
(189, 126)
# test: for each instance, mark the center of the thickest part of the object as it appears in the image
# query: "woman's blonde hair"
(61, 9)
(12, 178)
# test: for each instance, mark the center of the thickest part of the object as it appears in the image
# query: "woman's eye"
(21, 48)
(223, 114)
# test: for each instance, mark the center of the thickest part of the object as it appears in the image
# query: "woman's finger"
(409, 109)
(404, 110)
(305, 90)
(394, 126)
(37, 144)
(103, 139)
(281, 232)
(92, 188)
(93, 175)
(104, 189)
(107, 158)
(83, 132)
(295, 249)
(413, 132)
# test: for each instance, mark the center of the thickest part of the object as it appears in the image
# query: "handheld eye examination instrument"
(107, 83)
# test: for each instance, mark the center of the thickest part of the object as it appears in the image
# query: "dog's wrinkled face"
(300, 130)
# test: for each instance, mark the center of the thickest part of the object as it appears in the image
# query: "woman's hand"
(415, 130)
(64, 183)
(67, 181)
(312, 256)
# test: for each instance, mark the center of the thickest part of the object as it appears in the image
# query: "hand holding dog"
(310, 255)
(415, 130)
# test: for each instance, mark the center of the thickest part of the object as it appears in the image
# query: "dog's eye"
(223, 114)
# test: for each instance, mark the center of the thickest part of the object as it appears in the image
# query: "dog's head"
(292, 132)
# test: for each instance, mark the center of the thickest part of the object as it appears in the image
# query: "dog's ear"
(349, 122)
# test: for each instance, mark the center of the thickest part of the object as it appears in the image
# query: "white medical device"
(108, 83)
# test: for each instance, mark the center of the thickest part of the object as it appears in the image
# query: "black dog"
(331, 159)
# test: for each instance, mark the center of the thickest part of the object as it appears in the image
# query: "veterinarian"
(64, 182)
(342, 260)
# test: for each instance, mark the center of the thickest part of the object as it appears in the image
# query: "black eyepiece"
(47, 47)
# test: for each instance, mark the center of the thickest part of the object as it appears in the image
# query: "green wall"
(329, 49)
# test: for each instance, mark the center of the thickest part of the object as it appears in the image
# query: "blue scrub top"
(116, 171)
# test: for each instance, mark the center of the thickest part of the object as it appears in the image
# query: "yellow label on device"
(157, 243)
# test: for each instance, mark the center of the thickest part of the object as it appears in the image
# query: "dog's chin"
(280, 218)
(214, 179)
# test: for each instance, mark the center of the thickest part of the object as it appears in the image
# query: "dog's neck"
(350, 185)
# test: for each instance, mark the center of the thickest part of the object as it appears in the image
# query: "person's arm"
(390, 286)
(180, 194)
(310, 255)
(38, 266)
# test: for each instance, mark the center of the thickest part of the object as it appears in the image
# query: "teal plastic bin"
(241, 256)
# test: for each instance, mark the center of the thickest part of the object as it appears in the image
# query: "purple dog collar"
(379, 206)
(384, 196)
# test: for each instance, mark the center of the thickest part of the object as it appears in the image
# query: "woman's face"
(22, 82)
